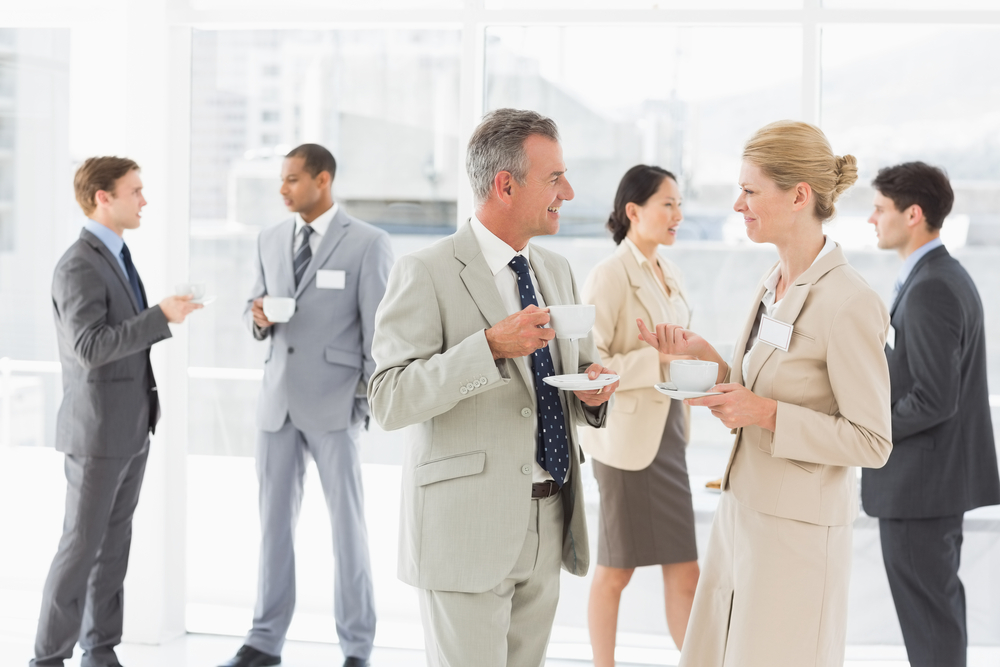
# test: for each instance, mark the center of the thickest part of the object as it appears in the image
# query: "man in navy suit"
(943, 460)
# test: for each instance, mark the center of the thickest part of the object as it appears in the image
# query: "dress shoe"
(356, 662)
(248, 656)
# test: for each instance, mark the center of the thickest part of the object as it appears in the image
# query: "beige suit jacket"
(619, 290)
(466, 488)
(832, 389)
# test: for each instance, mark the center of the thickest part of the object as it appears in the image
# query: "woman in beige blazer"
(808, 399)
(646, 516)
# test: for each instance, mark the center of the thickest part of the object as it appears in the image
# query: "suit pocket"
(920, 441)
(107, 380)
(343, 357)
(805, 465)
(460, 465)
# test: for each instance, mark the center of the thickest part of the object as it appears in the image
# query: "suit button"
(470, 386)
(525, 412)
(483, 380)
(526, 469)
(291, 350)
(477, 384)
(464, 391)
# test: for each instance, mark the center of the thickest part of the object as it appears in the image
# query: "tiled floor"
(210, 650)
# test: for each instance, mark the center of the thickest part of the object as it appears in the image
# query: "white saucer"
(681, 395)
(205, 300)
(579, 381)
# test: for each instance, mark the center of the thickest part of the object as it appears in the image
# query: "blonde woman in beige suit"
(808, 399)
(646, 517)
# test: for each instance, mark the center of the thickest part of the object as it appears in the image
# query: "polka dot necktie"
(552, 451)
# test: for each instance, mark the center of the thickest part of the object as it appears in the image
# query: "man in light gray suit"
(492, 499)
(312, 401)
(104, 329)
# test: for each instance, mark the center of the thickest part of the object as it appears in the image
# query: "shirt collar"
(495, 251)
(639, 257)
(771, 284)
(320, 224)
(111, 241)
(916, 256)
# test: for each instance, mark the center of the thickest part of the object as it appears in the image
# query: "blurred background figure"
(646, 515)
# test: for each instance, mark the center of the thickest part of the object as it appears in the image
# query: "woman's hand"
(675, 340)
(737, 407)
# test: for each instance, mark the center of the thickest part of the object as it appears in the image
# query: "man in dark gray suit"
(313, 402)
(943, 461)
(104, 329)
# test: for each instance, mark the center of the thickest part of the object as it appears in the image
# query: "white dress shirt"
(770, 305)
(319, 227)
(498, 255)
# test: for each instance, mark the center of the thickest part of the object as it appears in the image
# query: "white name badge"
(331, 279)
(890, 337)
(774, 333)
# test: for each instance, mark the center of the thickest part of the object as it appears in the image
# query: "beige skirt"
(646, 516)
(772, 593)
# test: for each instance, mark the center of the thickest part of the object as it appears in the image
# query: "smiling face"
(768, 211)
(121, 209)
(656, 221)
(535, 204)
(891, 225)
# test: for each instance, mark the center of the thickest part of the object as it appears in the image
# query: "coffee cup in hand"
(693, 374)
(574, 321)
(278, 308)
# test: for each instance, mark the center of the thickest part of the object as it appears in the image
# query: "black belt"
(544, 489)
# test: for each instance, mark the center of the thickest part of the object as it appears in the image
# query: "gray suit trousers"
(281, 467)
(83, 598)
(921, 559)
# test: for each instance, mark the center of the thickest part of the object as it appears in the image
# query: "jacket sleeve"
(416, 378)
(258, 290)
(858, 433)
(933, 340)
(79, 295)
(374, 275)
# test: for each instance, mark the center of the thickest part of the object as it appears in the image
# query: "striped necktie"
(552, 449)
(303, 254)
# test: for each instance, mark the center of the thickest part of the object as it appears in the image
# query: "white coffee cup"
(279, 308)
(195, 290)
(574, 321)
(693, 374)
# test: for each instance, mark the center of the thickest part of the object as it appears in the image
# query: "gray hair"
(498, 145)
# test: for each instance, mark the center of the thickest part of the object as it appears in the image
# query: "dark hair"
(98, 173)
(637, 185)
(317, 159)
(921, 184)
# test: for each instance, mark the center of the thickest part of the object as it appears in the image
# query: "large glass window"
(897, 93)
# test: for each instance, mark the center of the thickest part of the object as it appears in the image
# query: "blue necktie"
(552, 451)
(133, 277)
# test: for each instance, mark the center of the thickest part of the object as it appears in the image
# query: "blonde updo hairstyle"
(790, 152)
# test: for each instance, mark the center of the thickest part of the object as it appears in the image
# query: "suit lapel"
(913, 272)
(336, 231)
(478, 279)
(116, 268)
(637, 279)
(741, 342)
(787, 311)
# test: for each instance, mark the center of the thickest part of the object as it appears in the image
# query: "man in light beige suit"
(491, 495)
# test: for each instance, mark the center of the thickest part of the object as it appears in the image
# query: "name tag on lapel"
(331, 279)
(890, 337)
(774, 333)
